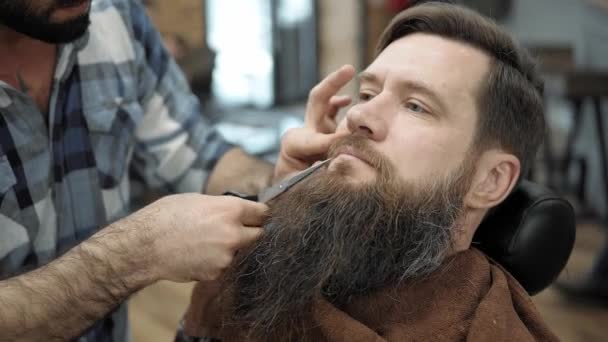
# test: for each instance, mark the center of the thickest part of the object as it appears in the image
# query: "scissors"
(277, 190)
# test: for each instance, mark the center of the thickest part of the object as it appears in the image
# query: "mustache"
(362, 149)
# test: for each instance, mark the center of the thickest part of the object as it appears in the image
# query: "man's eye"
(414, 107)
(364, 97)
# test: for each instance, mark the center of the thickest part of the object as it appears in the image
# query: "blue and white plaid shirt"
(121, 114)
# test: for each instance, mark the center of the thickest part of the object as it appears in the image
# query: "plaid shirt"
(121, 115)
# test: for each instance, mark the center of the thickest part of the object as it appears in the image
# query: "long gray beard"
(336, 240)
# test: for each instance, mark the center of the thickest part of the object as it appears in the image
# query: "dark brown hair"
(510, 100)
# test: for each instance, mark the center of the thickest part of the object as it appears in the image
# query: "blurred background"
(253, 62)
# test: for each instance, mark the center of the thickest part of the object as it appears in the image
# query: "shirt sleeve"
(176, 147)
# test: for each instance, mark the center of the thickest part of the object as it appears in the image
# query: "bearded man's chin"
(353, 171)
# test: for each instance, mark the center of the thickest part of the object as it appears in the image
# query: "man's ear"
(496, 175)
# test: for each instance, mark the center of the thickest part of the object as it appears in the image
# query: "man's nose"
(366, 119)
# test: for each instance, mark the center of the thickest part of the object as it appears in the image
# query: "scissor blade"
(275, 191)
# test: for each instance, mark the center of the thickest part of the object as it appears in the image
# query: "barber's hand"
(300, 147)
(195, 237)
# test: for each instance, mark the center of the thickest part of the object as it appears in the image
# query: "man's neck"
(9, 37)
(465, 229)
(15, 43)
(27, 64)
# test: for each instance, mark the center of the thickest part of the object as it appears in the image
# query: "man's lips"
(348, 150)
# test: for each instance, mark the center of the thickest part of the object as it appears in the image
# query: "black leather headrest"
(531, 234)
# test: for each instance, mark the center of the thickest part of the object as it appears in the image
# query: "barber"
(82, 107)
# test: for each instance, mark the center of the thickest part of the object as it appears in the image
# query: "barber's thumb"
(253, 214)
(320, 143)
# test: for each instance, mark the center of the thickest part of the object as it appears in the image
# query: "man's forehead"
(438, 61)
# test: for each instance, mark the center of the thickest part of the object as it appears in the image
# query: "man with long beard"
(377, 245)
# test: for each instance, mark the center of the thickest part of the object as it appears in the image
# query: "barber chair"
(531, 234)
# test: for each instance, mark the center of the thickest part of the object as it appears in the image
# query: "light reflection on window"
(293, 12)
(240, 32)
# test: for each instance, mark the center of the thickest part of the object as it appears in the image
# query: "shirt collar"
(67, 56)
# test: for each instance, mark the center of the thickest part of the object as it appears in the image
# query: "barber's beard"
(24, 17)
(332, 239)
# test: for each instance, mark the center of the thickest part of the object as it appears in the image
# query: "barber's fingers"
(336, 102)
(329, 123)
(340, 101)
(319, 106)
(309, 145)
(252, 213)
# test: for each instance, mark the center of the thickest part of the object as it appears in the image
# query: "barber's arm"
(178, 150)
(180, 238)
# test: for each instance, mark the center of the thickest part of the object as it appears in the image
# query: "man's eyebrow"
(424, 89)
(367, 77)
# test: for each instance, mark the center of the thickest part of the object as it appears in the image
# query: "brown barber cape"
(469, 298)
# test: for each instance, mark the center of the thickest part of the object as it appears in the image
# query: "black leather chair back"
(531, 234)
